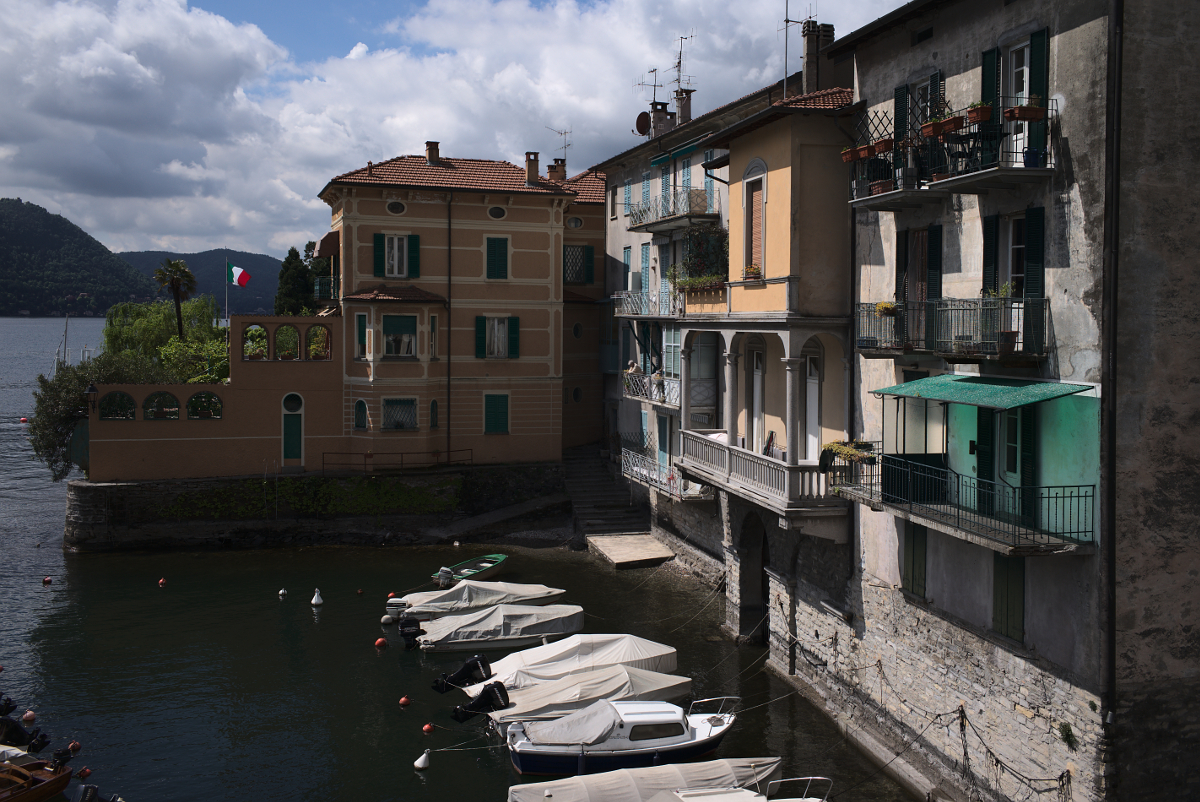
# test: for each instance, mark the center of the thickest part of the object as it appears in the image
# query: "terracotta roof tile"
(483, 175)
(587, 186)
(834, 98)
(409, 294)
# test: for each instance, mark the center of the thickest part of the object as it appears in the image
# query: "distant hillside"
(209, 269)
(50, 266)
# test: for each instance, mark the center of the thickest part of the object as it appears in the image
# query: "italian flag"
(237, 275)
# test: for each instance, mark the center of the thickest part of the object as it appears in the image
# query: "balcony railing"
(789, 486)
(325, 288)
(663, 390)
(648, 304)
(1032, 517)
(964, 329)
(674, 207)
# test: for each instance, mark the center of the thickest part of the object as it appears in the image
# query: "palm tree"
(174, 274)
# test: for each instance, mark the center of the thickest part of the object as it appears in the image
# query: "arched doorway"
(754, 585)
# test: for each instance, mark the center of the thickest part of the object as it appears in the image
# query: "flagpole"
(227, 322)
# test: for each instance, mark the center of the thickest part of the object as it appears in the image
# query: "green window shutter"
(900, 114)
(514, 337)
(480, 337)
(991, 249)
(399, 324)
(989, 92)
(1030, 501)
(589, 264)
(293, 436)
(380, 255)
(935, 93)
(985, 459)
(362, 329)
(414, 256)
(360, 414)
(497, 257)
(1039, 83)
(1035, 280)
(495, 414)
(1008, 596)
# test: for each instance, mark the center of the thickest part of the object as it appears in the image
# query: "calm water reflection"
(213, 688)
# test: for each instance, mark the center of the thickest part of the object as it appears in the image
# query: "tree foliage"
(146, 328)
(173, 275)
(59, 402)
(196, 362)
(295, 293)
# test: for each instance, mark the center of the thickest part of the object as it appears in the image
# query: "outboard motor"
(60, 757)
(445, 577)
(492, 697)
(7, 705)
(91, 793)
(13, 734)
(410, 629)
(477, 669)
(396, 607)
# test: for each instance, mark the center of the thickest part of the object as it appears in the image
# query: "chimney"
(531, 168)
(683, 105)
(559, 171)
(811, 79)
(370, 165)
(431, 153)
(661, 120)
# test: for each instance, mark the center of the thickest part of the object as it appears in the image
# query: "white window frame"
(395, 259)
(497, 338)
(756, 170)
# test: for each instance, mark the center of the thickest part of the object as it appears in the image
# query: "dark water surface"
(213, 688)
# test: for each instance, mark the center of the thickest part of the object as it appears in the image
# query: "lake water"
(213, 688)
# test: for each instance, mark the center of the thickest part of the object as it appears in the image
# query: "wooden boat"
(476, 568)
(606, 736)
(33, 781)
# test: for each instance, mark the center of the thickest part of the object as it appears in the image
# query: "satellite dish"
(643, 123)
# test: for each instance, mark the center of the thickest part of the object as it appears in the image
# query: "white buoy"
(387, 619)
(316, 599)
(422, 762)
(282, 593)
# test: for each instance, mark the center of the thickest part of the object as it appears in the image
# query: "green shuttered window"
(397, 256)
(497, 257)
(497, 337)
(1008, 596)
(495, 414)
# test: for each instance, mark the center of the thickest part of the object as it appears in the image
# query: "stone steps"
(600, 503)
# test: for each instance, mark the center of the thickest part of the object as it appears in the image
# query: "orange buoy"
(45, 580)
(162, 583)
(391, 595)
(405, 701)
(380, 643)
(29, 717)
(360, 591)
(428, 728)
(74, 746)
(24, 420)
(83, 773)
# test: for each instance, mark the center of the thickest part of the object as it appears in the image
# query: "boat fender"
(405, 701)
(74, 746)
(83, 773)
(428, 728)
(162, 583)
(29, 717)
(316, 599)
(387, 619)
(422, 762)
(391, 595)
(381, 643)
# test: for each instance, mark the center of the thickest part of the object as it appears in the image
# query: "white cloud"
(153, 125)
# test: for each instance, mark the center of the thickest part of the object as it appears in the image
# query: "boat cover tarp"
(504, 621)
(473, 595)
(591, 725)
(617, 683)
(639, 785)
(573, 655)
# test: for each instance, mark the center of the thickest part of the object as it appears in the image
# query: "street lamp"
(90, 394)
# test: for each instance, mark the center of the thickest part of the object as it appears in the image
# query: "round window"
(577, 330)
(497, 212)
(396, 207)
(574, 222)
(292, 402)
(577, 394)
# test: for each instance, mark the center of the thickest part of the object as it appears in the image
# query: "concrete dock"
(630, 551)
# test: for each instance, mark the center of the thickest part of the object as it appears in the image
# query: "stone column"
(795, 371)
(685, 389)
(731, 362)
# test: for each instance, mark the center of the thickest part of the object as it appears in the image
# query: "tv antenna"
(682, 80)
(650, 83)
(788, 22)
(565, 137)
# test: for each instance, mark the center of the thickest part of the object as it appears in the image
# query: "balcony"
(679, 208)
(995, 515)
(969, 151)
(661, 390)
(666, 479)
(648, 304)
(772, 483)
(1012, 331)
(325, 288)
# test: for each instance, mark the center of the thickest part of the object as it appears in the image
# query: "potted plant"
(864, 151)
(885, 309)
(979, 112)
(882, 146)
(752, 273)
(880, 187)
(849, 154)
(1029, 111)
(932, 128)
(952, 123)
(255, 354)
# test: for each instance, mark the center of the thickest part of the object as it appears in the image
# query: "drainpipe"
(449, 314)
(1108, 378)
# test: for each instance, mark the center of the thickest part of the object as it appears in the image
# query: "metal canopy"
(982, 392)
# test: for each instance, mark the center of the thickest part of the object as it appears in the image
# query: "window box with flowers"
(979, 112)
(885, 309)
(752, 273)
(883, 146)
(1030, 111)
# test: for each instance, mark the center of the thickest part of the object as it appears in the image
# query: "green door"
(293, 436)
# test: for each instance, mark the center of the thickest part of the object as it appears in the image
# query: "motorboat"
(505, 626)
(572, 655)
(639, 785)
(475, 568)
(737, 794)
(619, 735)
(32, 780)
(468, 595)
(567, 694)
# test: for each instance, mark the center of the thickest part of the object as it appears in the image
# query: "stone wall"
(693, 530)
(253, 511)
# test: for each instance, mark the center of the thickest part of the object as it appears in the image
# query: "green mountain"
(50, 266)
(209, 269)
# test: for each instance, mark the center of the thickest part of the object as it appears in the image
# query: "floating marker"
(162, 583)
(381, 643)
(282, 594)
(29, 717)
(45, 580)
(405, 701)
(24, 420)
(83, 773)
(316, 599)
(360, 591)
(428, 728)
(422, 762)
(391, 595)
(456, 543)
(74, 746)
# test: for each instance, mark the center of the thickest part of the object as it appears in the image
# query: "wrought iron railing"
(648, 470)
(791, 485)
(664, 390)
(703, 392)
(648, 303)
(676, 203)
(1017, 516)
(640, 442)
(890, 325)
(970, 327)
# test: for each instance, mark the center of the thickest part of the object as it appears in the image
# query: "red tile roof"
(833, 98)
(588, 187)
(483, 175)
(409, 294)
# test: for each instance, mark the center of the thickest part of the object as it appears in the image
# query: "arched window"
(360, 414)
(287, 342)
(254, 342)
(160, 406)
(316, 343)
(433, 421)
(118, 406)
(204, 406)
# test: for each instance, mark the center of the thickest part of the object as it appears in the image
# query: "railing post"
(731, 361)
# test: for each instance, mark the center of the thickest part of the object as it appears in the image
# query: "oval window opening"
(577, 330)
(396, 207)
(292, 402)
(574, 222)
(577, 394)
(497, 212)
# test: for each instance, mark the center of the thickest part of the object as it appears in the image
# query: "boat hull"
(582, 760)
(44, 784)
(484, 567)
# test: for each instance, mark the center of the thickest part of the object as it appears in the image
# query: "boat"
(639, 785)
(467, 595)
(505, 626)
(572, 655)
(33, 780)
(618, 735)
(563, 696)
(735, 794)
(475, 568)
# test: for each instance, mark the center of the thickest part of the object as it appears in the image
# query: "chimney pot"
(431, 153)
(370, 165)
(531, 167)
(683, 105)
(558, 172)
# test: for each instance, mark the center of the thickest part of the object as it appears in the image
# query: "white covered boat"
(640, 785)
(556, 699)
(469, 595)
(505, 626)
(810, 787)
(574, 655)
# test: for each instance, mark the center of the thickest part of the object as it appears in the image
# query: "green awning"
(657, 160)
(983, 392)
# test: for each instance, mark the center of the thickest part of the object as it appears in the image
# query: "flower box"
(979, 114)
(931, 128)
(951, 124)
(880, 187)
(849, 155)
(938, 177)
(1024, 114)
(883, 146)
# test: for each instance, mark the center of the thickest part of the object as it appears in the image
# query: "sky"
(159, 125)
